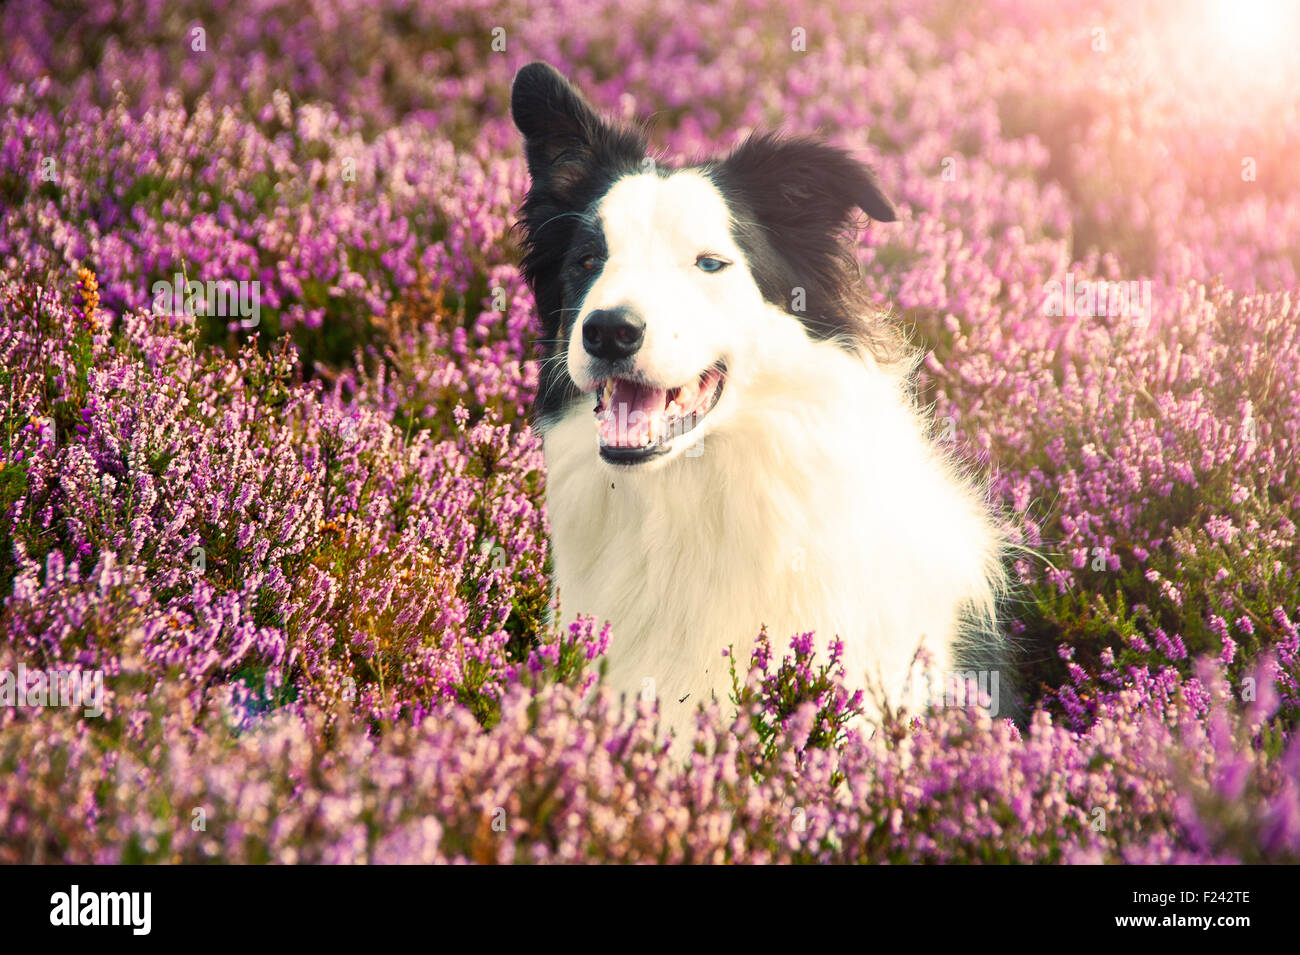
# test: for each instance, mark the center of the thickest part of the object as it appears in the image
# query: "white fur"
(809, 499)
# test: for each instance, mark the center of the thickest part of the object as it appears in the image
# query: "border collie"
(730, 430)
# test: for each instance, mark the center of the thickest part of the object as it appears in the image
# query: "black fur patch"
(573, 157)
(792, 201)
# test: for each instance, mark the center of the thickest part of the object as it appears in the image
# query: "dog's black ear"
(566, 142)
(798, 185)
(793, 199)
(573, 157)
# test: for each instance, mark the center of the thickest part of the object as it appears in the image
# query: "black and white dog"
(730, 429)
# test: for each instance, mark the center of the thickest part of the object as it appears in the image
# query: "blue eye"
(710, 263)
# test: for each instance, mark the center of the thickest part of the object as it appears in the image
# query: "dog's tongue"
(633, 414)
(637, 397)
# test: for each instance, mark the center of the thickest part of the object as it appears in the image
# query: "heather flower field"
(267, 479)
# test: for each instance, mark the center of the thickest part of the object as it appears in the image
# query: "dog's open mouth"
(636, 422)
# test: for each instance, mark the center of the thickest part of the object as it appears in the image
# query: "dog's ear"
(799, 185)
(793, 199)
(573, 157)
(566, 142)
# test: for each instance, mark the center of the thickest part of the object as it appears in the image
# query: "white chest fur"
(830, 512)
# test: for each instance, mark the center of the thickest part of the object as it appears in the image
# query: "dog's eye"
(710, 263)
(590, 262)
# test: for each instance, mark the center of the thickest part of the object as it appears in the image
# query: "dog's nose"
(612, 333)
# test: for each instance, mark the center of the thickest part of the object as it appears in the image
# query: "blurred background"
(338, 509)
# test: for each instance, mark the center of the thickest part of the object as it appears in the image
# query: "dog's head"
(662, 291)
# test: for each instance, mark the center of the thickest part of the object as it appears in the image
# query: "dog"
(730, 429)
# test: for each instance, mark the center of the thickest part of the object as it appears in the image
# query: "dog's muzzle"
(636, 421)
